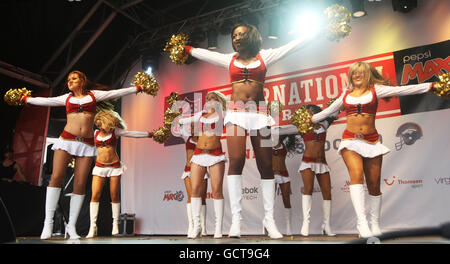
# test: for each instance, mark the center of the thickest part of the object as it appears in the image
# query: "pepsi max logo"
(171, 196)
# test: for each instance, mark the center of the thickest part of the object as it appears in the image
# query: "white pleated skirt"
(109, 171)
(206, 160)
(363, 148)
(281, 179)
(75, 148)
(248, 120)
(316, 167)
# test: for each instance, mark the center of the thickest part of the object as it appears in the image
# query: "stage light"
(358, 8)
(149, 63)
(307, 24)
(149, 70)
(274, 26)
(212, 39)
(404, 6)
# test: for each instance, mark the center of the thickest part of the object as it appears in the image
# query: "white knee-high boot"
(326, 209)
(306, 209)
(51, 201)
(190, 221)
(115, 208)
(203, 220)
(93, 213)
(357, 197)
(374, 213)
(218, 211)
(288, 214)
(234, 183)
(196, 206)
(76, 202)
(268, 193)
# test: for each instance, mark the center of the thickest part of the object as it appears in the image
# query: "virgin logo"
(389, 182)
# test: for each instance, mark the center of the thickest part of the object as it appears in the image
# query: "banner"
(415, 182)
(418, 65)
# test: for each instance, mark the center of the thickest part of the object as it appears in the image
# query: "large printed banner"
(415, 181)
(418, 65)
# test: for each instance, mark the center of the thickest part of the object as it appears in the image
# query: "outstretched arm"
(133, 134)
(46, 101)
(273, 55)
(388, 91)
(331, 110)
(218, 59)
(285, 130)
(111, 94)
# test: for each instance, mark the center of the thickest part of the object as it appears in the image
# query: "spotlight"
(358, 8)
(274, 25)
(149, 64)
(307, 24)
(212, 39)
(404, 6)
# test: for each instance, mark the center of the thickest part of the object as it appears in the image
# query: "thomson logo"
(413, 183)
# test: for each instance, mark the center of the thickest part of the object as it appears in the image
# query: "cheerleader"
(191, 142)
(110, 127)
(77, 140)
(286, 144)
(314, 165)
(360, 146)
(247, 67)
(208, 154)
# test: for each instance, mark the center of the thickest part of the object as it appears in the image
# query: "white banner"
(415, 183)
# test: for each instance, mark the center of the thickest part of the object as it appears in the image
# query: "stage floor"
(296, 239)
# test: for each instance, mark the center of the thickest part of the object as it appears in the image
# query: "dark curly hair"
(292, 143)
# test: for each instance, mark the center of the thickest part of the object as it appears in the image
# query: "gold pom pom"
(173, 97)
(169, 116)
(442, 88)
(14, 96)
(302, 120)
(275, 108)
(162, 134)
(175, 46)
(148, 84)
(338, 22)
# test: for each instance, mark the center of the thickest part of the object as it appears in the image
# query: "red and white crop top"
(319, 134)
(111, 139)
(368, 101)
(240, 73)
(88, 106)
(366, 104)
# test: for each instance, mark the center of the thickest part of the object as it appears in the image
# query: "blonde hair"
(221, 97)
(372, 76)
(110, 120)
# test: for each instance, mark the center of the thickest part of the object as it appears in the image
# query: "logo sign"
(173, 196)
(250, 193)
(408, 133)
(398, 181)
(418, 65)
